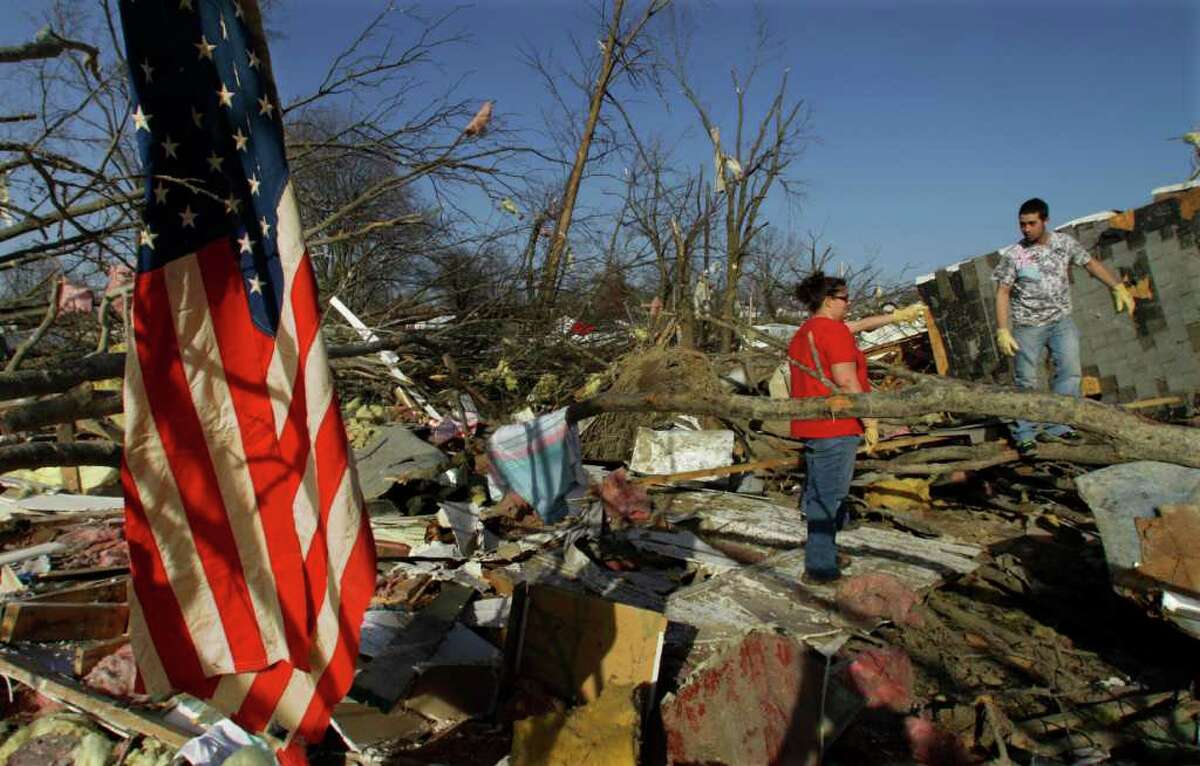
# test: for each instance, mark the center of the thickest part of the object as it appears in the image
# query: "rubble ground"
(534, 608)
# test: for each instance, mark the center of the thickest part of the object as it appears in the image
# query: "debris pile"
(627, 587)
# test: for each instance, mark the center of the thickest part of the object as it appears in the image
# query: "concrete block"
(1193, 331)
(1182, 384)
(1156, 216)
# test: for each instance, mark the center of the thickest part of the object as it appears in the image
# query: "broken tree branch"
(21, 383)
(47, 44)
(35, 222)
(1131, 437)
(47, 320)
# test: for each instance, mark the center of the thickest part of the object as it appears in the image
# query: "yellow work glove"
(1004, 339)
(870, 434)
(1122, 299)
(909, 313)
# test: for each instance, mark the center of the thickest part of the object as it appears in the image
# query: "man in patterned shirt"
(1033, 289)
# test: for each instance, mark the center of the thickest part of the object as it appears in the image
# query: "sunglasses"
(845, 297)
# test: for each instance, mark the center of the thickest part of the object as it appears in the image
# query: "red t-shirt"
(835, 345)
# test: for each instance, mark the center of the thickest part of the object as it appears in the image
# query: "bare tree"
(375, 184)
(757, 161)
(620, 53)
(776, 263)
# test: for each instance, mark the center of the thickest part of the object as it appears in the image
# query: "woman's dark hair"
(814, 289)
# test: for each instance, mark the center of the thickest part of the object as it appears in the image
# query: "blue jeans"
(830, 465)
(1062, 338)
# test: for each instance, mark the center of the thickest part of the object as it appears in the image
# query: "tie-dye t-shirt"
(1041, 290)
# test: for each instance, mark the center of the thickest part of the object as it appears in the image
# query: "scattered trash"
(540, 461)
(624, 501)
(675, 451)
(545, 606)
(57, 738)
(884, 677)
(898, 494)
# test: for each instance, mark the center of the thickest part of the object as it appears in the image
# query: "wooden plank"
(577, 645)
(113, 590)
(86, 656)
(70, 693)
(386, 549)
(903, 442)
(31, 621)
(85, 573)
(936, 344)
(32, 552)
(71, 478)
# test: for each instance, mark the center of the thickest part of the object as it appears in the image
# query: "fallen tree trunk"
(1130, 436)
(42, 454)
(80, 403)
(21, 383)
(925, 462)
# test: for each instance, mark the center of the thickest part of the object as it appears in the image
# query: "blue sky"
(932, 120)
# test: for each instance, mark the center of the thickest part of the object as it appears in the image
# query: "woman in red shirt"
(831, 443)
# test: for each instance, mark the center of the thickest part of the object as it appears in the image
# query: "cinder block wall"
(1156, 249)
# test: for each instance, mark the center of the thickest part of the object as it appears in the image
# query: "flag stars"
(253, 59)
(240, 140)
(233, 205)
(224, 30)
(244, 244)
(205, 48)
(225, 96)
(265, 226)
(214, 162)
(265, 106)
(187, 218)
(160, 194)
(255, 285)
(141, 120)
(147, 237)
(185, 5)
(254, 183)
(237, 9)
(197, 117)
(148, 71)
(170, 147)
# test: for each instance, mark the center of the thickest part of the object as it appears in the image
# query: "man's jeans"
(1062, 338)
(830, 465)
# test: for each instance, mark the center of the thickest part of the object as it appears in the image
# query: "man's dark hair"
(1035, 205)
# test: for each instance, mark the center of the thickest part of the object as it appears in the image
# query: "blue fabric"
(1062, 339)
(541, 461)
(830, 465)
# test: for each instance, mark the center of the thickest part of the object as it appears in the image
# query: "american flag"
(251, 556)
